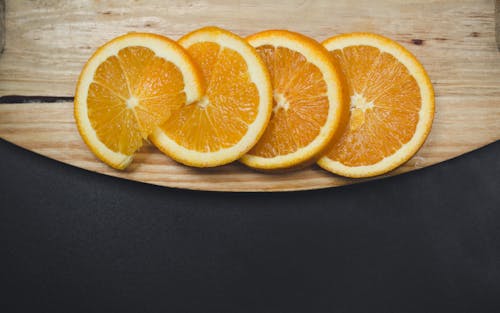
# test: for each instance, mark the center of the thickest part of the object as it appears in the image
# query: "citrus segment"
(308, 104)
(127, 88)
(234, 111)
(391, 105)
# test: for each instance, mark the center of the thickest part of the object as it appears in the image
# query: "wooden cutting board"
(47, 43)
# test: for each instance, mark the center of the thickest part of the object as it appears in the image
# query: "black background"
(75, 241)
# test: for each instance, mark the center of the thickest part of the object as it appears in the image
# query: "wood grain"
(497, 23)
(2, 25)
(47, 43)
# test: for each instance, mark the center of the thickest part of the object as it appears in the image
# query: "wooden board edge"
(241, 188)
(213, 187)
(276, 189)
(219, 188)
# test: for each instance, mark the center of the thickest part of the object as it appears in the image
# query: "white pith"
(162, 48)
(258, 75)
(334, 98)
(426, 112)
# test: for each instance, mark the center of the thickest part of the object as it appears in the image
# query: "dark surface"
(75, 241)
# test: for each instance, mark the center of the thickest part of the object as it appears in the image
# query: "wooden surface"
(47, 43)
(497, 22)
(2, 25)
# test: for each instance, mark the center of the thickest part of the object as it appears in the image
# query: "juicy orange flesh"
(300, 105)
(150, 85)
(229, 105)
(385, 105)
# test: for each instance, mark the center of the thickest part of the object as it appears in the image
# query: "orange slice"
(127, 88)
(391, 105)
(234, 111)
(308, 101)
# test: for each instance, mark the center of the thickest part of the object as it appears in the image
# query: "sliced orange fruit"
(391, 105)
(308, 106)
(127, 88)
(235, 108)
